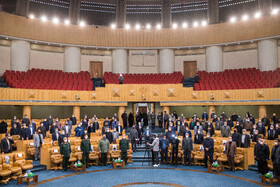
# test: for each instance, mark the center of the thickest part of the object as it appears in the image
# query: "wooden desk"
(27, 179)
(115, 164)
(78, 168)
(218, 169)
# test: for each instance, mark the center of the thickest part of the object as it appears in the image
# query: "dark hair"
(6, 134)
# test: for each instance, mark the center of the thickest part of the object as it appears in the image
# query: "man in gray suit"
(38, 141)
(225, 130)
(218, 124)
(133, 137)
(67, 129)
(197, 127)
(187, 147)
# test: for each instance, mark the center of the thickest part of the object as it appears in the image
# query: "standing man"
(79, 131)
(245, 139)
(85, 148)
(104, 147)
(66, 129)
(130, 119)
(163, 146)
(73, 119)
(124, 118)
(38, 141)
(56, 136)
(133, 137)
(25, 120)
(115, 135)
(65, 151)
(225, 130)
(120, 79)
(124, 146)
(153, 120)
(155, 147)
(275, 157)
(147, 134)
(24, 132)
(166, 119)
(230, 151)
(198, 138)
(160, 120)
(109, 135)
(3, 127)
(204, 116)
(6, 144)
(175, 147)
(187, 147)
(208, 145)
(50, 120)
(262, 156)
(236, 137)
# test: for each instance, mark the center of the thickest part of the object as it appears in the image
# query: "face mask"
(10, 138)
(123, 137)
(237, 124)
(187, 136)
(277, 126)
(261, 143)
(276, 143)
(104, 137)
(65, 141)
(56, 131)
(230, 140)
(194, 115)
(260, 120)
(57, 120)
(147, 129)
(15, 126)
(271, 128)
(208, 136)
(198, 132)
(197, 124)
(79, 125)
(176, 138)
(63, 133)
(45, 120)
(107, 130)
(15, 118)
(243, 132)
(85, 132)
(24, 126)
(32, 121)
(225, 125)
(86, 137)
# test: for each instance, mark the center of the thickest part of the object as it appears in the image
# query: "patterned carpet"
(106, 177)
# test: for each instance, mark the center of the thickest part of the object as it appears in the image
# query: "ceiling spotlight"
(245, 17)
(158, 26)
(127, 26)
(257, 15)
(174, 26)
(55, 20)
(275, 11)
(184, 25)
(31, 16)
(148, 26)
(44, 18)
(204, 23)
(195, 24)
(137, 26)
(66, 22)
(82, 24)
(232, 19)
(7, 38)
(113, 26)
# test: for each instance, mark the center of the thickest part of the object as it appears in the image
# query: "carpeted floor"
(192, 176)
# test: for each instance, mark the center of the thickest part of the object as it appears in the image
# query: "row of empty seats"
(250, 78)
(49, 79)
(152, 78)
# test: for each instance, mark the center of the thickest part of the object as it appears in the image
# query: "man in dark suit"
(3, 127)
(46, 125)
(124, 118)
(208, 145)
(209, 129)
(26, 120)
(187, 147)
(109, 135)
(262, 157)
(91, 128)
(163, 148)
(73, 119)
(198, 138)
(245, 139)
(42, 129)
(6, 144)
(24, 132)
(255, 136)
(130, 119)
(261, 128)
(272, 134)
(31, 131)
(204, 116)
(275, 155)
(119, 129)
(236, 137)
(230, 151)
(56, 136)
(15, 130)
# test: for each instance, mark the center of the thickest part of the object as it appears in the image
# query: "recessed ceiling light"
(66, 22)
(245, 17)
(82, 23)
(44, 18)
(232, 19)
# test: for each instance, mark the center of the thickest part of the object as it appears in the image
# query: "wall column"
(20, 55)
(213, 11)
(27, 110)
(120, 61)
(22, 7)
(267, 54)
(211, 107)
(214, 59)
(166, 108)
(120, 112)
(166, 60)
(166, 16)
(74, 11)
(262, 111)
(72, 59)
(77, 113)
(265, 6)
(120, 13)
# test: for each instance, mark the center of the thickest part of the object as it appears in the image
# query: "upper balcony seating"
(49, 79)
(152, 78)
(250, 78)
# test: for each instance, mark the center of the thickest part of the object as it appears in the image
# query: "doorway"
(190, 68)
(96, 69)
